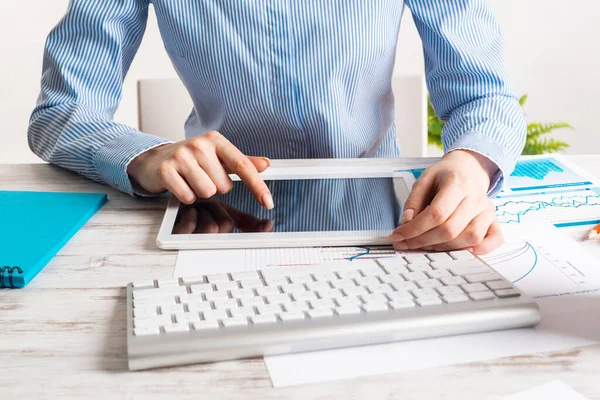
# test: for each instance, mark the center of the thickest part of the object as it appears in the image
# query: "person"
(287, 79)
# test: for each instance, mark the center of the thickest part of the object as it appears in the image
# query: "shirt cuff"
(113, 158)
(493, 151)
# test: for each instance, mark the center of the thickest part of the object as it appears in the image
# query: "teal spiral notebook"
(34, 226)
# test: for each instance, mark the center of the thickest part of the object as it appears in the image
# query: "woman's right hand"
(198, 168)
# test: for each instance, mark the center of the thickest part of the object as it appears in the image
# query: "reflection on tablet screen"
(310, 205)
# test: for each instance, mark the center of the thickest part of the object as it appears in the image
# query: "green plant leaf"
(523, 100)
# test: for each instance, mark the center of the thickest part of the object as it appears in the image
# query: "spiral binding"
(6, 274)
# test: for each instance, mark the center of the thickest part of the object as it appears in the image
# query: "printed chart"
(543, 173)
(556, 207)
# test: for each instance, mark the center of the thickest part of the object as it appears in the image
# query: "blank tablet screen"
(305, 205)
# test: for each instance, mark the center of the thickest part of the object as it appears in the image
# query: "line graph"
(577, 205)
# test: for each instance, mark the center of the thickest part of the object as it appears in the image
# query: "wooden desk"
(64, 335)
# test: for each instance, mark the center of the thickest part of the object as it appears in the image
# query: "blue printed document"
(34, 226)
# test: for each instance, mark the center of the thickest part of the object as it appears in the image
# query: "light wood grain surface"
(64, 335)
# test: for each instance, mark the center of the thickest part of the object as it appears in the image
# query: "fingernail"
(267, 161)
(408, 215)
(401, 246)
(267, 201)
(396, 237)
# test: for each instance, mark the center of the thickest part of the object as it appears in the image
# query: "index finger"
(236, 162)
(441, 208)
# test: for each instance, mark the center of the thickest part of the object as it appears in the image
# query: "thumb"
(260, 163)
(419, 198)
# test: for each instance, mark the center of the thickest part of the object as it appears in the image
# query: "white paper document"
(551, 390)
(540, 261)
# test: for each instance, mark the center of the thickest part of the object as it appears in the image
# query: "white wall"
(551, 49)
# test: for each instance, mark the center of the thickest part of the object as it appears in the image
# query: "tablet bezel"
(168, 241)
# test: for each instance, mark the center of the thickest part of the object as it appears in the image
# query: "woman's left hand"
(448, 207)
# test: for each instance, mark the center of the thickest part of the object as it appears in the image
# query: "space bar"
(309, 269)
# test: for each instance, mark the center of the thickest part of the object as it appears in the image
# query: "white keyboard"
(293, 309)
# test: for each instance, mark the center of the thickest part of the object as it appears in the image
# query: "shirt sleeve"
(86, 58)
(468, 83)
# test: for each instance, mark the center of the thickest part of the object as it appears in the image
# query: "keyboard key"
(354, 291)
(488, 276)
(303, 296)
(344, 284)
(383, 288)
(187, 317)
(276, 281)
(455, 298)
(347, 310)
(474, 287)
(416, 259)
(455, 263)
(350, 300)
(212, 296)
(450, 290)
(251, 283)
(268, 309)
(233, 322)
(406, 285)
(301, 278)
(296, 306)
(167, 309)
(500, 284)
(244, 275)
(439, 273)
(199, 306)
(349, 274)
(214, 314)
(252, 301)
(202, 288)
(320, 313)
(278, 298)
(428, 301)
(439, 257)
(469, 270)
(242, 293)
(292, 316)
(322, 303)
(143, 285)
(147, 312)
(263, 319)
(401, 304)
(428, 283)
(166, 283)
(400, 295)
(205, 325)
(419, 267)
(293, 288)
(504, 293)
(428, 292)
(414, 276)
(461, 255)
(267, 290)
(374, 298)
(453, 281)
(146, 331)
(392, 263)
(324, 276)
(223, 286)
(375, 306)
(193, 280)
(314, 286)
(214, 278)
(177, 328)
(242, 312)
(330, 294)
(487, 295)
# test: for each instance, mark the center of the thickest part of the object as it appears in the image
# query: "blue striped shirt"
(278, 78)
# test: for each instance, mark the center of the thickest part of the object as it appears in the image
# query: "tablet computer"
(347, 206)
